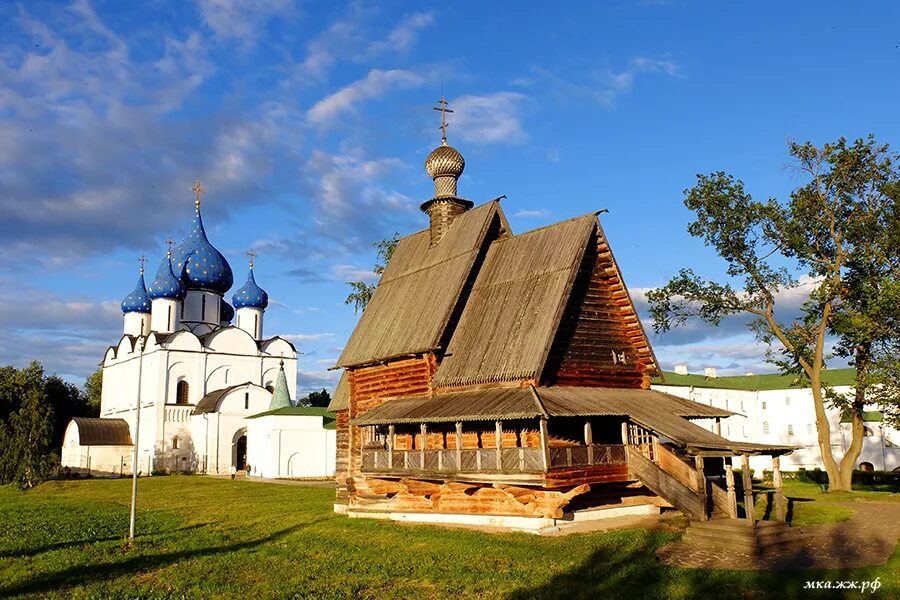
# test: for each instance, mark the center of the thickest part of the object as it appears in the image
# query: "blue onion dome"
(166, 284)
(202, 266)
(226, 313)
(137, 301)
(250, 295)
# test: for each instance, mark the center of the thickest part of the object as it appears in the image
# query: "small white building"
(771, 409)
(195, 376)
(292, 442)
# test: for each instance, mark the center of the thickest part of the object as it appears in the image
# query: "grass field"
(206, 538)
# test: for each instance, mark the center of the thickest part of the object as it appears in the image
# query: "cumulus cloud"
(377, 83)
(241, 20)
(490, 118)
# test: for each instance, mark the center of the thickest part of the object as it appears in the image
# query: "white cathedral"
(214, 397)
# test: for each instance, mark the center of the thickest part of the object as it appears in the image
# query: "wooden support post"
(701, 487)
(732, 495)
(545, 444)
(748, 488)
(589, 441)
(390, 444)
(779, 491)
(625, 439)
(423, 429)
(498, 440)
(459, 446)
(718, 426)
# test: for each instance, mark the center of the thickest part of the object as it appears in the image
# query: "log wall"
(342, 461)
(599, 341)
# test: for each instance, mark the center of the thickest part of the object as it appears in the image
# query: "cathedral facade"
(197, 367)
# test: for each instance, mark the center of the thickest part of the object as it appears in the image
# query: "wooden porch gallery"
(504, 379)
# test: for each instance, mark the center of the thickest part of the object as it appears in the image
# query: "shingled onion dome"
(202, 266)
(281, 398)
(226, 312)
(250, 295)
(137, 301)
(166, 284)
(445, 165)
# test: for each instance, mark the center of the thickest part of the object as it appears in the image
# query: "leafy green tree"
(840, 228)
(362, 292)
(93, 388)
(319, 399)
(27, 428)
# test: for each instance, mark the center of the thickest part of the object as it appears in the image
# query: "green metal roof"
(766, 381)
(300, 411)
(281, 398)
(868, 416)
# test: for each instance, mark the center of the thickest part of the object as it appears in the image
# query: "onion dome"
(281, 398)
(226, 313)
(201, 265)
(137, 301)
(445, 161)
(166, 284)
(250, 295)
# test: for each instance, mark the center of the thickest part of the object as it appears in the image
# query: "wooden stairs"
(738, 535)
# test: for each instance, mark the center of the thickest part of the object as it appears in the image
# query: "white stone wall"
(290, 446)
(788, 417)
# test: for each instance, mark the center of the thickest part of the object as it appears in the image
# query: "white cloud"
(403, 36)
(490, 118)
(613, 84)
(241, 20)
(306, 337)
(373, 85)
(532, 214)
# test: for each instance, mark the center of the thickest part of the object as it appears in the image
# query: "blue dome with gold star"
(166, 284)
(137, 301)
(202, 267)
(250, 295)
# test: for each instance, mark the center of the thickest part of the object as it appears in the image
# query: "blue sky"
(308, 124)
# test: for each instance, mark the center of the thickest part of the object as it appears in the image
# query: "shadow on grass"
(78, 575)
(74, 543)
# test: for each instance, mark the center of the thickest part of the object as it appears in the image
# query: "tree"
(93, 388)
(840, 228)
(362, 291)
(320, 399)
(27, 426)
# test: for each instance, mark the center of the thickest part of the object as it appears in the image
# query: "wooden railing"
(521, 460)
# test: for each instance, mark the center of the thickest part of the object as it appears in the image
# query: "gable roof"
(341, 398)
(510, 320)
(210, 402)
(419, 290)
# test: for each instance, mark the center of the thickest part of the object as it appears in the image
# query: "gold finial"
(252, 254)
(169, 242)
(198, 190)
(142, 259)
(443, 108)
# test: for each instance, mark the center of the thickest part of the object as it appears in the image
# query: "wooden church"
(504, 379)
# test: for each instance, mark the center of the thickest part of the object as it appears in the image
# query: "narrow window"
(765, 427)
(809, 428)
(790, 429)
(203, 307)
(787, 401)
(256, 325)
(764, 405)
(169, 328)
(246, 400)
(175, 443)
(182, 390)
(182, 309)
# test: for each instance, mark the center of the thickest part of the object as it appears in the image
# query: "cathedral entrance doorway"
(239, 450)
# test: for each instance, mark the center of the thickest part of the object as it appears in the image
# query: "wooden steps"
(737, 535)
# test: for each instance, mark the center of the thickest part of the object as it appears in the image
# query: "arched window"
(270, 387)
(181, 395)
(867, 431)
(765, 427)
(175, 443)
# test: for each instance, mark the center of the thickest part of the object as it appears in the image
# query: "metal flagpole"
(137, 432)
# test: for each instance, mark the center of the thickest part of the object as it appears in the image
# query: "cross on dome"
(169, 242)
(142, 260)
(198, 191)
(252, 254)
(444, 109)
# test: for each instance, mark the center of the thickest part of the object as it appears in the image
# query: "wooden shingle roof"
(512, 314)
(420, 289)
(341, 398)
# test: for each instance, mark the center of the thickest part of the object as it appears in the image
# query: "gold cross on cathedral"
(443, 108)
(169, 242)
(198, 190)
(142, 260)
(252, 254)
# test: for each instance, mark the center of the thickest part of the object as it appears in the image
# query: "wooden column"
(545, 444)
(779, 491)
(718, 426)
(701, 487)
(423, 429)
(625, 439)
(459, 446)
(732, 495)
(390, 444)
(498, 438)
(589, 441)
(748, 488)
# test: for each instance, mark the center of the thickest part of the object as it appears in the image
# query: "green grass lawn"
(209, 538)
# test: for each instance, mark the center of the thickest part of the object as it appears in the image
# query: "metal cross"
(142, 259)
(169, 242)
(252, 254)
(444, 110)
(198, 190)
